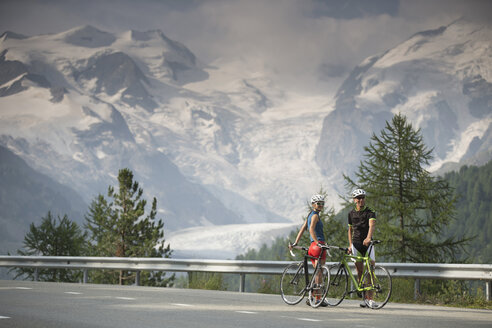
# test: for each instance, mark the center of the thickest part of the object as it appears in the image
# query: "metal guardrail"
(418, 271)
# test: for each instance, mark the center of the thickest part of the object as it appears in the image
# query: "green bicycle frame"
(366, 266)
(374, 283)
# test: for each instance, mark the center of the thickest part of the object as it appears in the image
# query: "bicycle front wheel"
(338, 284)
(320, 286)
(380, 279)
(293, 283)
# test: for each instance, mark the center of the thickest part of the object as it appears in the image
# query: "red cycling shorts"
(314, 251)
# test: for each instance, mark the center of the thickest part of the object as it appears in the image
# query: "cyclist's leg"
(315, 251)
(359, 266)
(372, 261)
(319, 275)
(318, 279)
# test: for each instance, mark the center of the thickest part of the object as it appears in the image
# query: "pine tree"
(51, 239)
(120, 228)
(412, 207)
(474, 191)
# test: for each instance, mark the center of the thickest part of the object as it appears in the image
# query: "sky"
(306, 45)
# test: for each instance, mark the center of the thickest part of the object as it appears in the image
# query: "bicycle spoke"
(337, 285)
(380, 279)
(320, 286)
(293, 284)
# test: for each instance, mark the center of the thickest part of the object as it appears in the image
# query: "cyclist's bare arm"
(299, 234)
(372, 226)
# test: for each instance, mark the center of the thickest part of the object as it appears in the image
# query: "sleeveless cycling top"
(318, 229)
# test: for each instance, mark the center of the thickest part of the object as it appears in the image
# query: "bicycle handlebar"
(296, 247)
(327, 248)
(339, 248)
(344, 249)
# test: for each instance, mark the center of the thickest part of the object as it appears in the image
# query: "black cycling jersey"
(359, 221)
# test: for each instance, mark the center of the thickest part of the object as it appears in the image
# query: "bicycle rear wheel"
(293, 283)
(381, 280)
(338, 284)
(321, 288)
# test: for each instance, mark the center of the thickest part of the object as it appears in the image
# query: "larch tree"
(53, 237)
(413, 207)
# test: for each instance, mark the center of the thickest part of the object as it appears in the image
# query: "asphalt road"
(39, 304)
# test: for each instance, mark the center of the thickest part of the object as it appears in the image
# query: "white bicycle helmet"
(358, 192)
(317, 198)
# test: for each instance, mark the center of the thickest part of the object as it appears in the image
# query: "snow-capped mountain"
(76, 106)
(221, 147)
(80, 105)
(441, 80)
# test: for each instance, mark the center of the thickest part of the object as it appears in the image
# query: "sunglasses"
(320, 203)
(360, 197)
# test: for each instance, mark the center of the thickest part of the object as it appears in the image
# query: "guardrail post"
(416, 291)
(36, 274)
(242, 281)
(137, 278)
(488, 290)
(86, 276)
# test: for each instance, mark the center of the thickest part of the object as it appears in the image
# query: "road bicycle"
(375, 283)
(296, 280)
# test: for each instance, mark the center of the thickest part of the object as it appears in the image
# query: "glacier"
(223, 149)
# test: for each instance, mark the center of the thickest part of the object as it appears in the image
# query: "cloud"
(302, 43)
(424, 11)
(351, 9)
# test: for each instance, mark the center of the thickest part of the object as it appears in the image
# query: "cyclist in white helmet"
(361, 225)
(315, 227)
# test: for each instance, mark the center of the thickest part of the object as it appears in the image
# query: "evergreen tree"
(473, 189)
(119, 227)
(412, 207)
(51, 239)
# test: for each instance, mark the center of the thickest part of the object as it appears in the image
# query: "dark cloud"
(418, 11)
(350, 9)
(300, 43)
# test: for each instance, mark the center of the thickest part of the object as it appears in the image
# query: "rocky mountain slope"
(26, 196)
(222, 145)
(440, 80)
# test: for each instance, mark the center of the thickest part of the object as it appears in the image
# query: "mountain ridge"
(429, 78)
(26, 196)
(221, 144)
